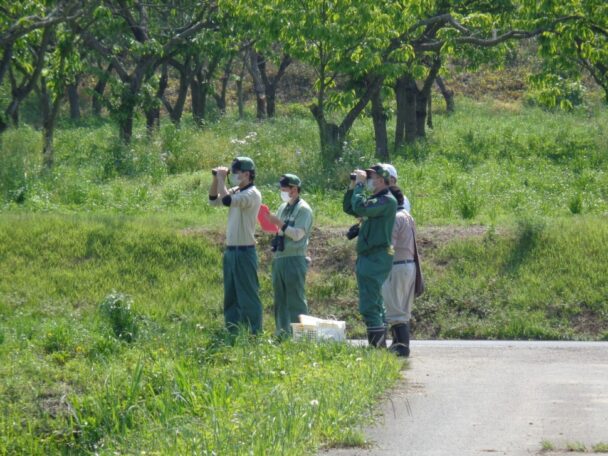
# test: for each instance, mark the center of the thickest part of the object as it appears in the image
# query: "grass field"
(111, 341)
(111, 335)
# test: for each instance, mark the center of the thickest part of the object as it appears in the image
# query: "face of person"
(376, 182)
(290, 192)
(240, 178)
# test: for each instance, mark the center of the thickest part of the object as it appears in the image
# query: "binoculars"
(214, 172)
(353, 176)
(277, 243)
(353, 232)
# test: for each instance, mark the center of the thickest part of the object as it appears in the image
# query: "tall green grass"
(111, 341)
(487, 163)
(540, 279)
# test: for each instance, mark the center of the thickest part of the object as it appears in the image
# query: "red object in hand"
(266, 224)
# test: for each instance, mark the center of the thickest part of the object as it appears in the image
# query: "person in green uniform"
(289, 265)
(242, 305)
(374, 250)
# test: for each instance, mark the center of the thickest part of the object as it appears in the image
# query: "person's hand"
(361, 176)
(274, 220)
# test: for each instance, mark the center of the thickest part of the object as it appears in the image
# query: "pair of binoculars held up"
(353, 176)
(214, 172)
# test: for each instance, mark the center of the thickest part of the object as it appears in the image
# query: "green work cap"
(242, 164)
(290, 180)
(381, 171)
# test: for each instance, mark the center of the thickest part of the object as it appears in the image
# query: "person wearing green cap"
(242, 305)
(374, 249)
(294, 220)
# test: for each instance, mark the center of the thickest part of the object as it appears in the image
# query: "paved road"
(470, 398)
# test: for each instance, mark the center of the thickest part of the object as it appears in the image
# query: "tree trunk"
(421, 105)
(379, 119)
(258, 84)
(13, 112)
(271, 101)
(429, 111)
(47, 147)
(400, 86)
(49, 110)
(448, 95)
(239, 96)
(126, 128)
(6, 60)
(224, 80)
(153, 114)
(47, 130)
(332, 136)
(410, 104)
(74, 100)
(271, 84)
(423, 94)
(177, 111)
(196, 102)
(329, 135)
(98, 91)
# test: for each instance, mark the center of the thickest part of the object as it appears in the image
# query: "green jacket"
(378, 214)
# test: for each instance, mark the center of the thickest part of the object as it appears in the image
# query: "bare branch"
(139, 31)
(436, 45)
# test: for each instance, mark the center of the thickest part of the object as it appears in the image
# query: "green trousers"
(371, 271)
(242, 305)
(288, 281)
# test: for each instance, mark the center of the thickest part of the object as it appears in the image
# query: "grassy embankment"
(511, 206)
(84, 369)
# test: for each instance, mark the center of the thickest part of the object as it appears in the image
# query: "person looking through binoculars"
(242, 305)
(289, 264)
(374, 250)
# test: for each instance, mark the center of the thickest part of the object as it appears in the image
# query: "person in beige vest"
(242, 305)
(398, 289)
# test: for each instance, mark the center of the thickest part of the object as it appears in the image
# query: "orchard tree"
(257, 36)
(343, 42)
(62, 68)
(574, 47)
(136, 37)
(27, 29)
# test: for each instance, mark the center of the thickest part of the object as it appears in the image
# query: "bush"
(576, 204)
(468, 203)
(116, 308)
(555, 92)
(57, 339)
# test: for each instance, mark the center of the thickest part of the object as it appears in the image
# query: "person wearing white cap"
(398, 291)
(393, 181)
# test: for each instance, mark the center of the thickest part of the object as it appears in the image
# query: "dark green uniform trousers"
(288, 282)
(242, 305)
(372, 270)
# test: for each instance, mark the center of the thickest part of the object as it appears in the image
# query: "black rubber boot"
(376, 336)
(401, 339)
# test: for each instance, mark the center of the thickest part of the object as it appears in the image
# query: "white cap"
(391, 170)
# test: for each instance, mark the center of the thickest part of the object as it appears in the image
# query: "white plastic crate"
(312, 328)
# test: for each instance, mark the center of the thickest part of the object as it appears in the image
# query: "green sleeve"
(346, 203)
(370, 207)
